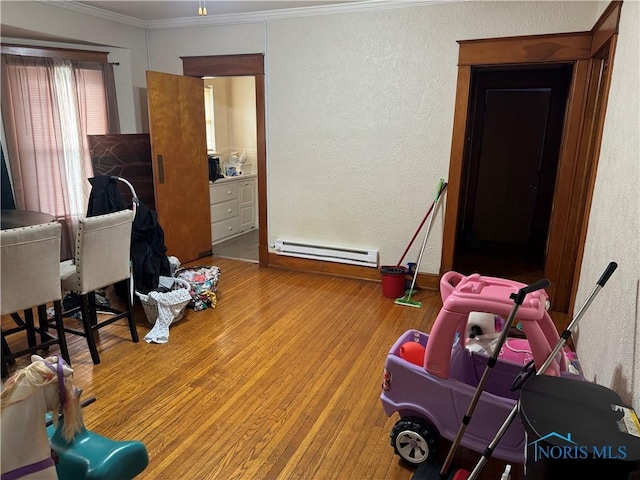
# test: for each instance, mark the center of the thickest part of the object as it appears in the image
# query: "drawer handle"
(229, 192)
(230, 228)
(229, 210)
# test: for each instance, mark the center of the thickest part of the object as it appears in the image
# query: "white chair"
(30, 259)
(102, 258)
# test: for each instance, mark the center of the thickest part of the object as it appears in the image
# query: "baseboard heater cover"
(366, 258)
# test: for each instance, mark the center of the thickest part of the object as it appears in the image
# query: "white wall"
(360, 116)
(608, 339)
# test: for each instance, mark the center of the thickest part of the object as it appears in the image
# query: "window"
(49, 106)
(209, 117)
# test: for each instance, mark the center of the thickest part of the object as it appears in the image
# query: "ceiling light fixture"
(202, 8)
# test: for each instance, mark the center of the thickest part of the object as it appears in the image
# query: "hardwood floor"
(280, 381)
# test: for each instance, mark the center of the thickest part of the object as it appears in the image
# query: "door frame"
(250, 64)
(576, 166)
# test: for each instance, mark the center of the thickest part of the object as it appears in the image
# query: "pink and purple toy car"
(432, 398)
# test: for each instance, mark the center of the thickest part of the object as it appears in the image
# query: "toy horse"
(46, 385)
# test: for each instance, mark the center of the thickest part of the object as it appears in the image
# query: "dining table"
(23, 218)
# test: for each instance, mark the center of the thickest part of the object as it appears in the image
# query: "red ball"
(412, 352)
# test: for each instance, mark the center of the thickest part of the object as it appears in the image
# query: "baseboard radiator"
(366, 258)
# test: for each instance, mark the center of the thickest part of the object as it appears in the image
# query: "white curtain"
(73, 155)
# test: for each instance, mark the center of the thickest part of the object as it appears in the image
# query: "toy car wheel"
(414, 440)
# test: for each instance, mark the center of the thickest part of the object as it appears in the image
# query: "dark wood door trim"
(597, 99)
(603, 46)
(605, 28)
(572, 198)
(238, 66)
(463, 92)
(263, 237)
(561, 239)
(561, 47)
(224, 65)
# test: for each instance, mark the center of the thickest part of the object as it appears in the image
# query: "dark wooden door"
(180, 168)
(509, 164)
(510, 169)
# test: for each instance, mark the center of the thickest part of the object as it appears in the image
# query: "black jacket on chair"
(148, 251)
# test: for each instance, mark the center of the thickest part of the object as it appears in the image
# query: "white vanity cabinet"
(233, 206)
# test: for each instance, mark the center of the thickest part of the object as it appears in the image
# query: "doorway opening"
(251, 64)
(509, 169)
(233, 124)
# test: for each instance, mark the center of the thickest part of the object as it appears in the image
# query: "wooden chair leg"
(43, 326)
(29, 326)
(7, 357)
(88, 330)
(93, 308)
(4, 350)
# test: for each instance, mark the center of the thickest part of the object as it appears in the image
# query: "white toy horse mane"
(46, 385)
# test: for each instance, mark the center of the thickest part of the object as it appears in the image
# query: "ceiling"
(151, 10)
(184, 13)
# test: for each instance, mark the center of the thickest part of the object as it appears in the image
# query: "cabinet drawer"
(224, 192)
(224, 210)
(225, 228)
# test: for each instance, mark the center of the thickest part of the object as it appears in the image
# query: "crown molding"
(239, 18)
(258, 17)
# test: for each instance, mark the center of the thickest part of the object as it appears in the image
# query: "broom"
(406, 299)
